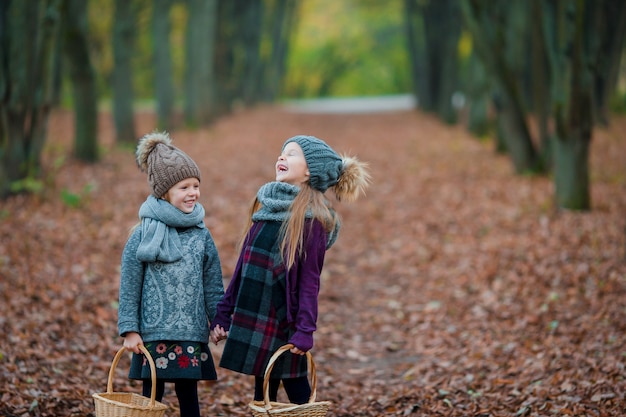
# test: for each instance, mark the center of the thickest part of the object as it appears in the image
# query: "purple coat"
(258, 323)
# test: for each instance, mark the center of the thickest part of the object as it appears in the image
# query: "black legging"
(298, 389)
(186, 392)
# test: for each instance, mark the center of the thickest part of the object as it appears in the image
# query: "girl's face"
(291, 166)
(184, 194)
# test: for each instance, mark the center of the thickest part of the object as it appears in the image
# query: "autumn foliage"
(455, 288)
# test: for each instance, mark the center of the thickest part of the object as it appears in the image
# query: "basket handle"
(117, 358)
(270, 366)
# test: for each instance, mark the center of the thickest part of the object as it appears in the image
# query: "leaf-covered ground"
(455, 288)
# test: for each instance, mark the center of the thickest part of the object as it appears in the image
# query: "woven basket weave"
(125, 404)
(267, 408)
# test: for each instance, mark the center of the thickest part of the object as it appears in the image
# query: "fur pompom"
(353, 180)
(147, 144)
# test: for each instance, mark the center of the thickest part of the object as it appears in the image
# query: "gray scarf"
(276, 198)
(159, 237)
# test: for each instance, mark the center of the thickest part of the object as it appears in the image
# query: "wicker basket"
(267, 408)
(125, 404)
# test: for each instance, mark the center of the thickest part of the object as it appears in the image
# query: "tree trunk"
(281, 26)
(541, 85)
(516, 137)
(83, 82)
(163, 74)
(123, 45)
(200, 71)
(571, 172)
(433, 29)
(491, 45)
(26, 88)
(225, 56)
(415, 45)
(611, 17)
(570, 33)
(442, 24)
(252, 27)
(478, 90)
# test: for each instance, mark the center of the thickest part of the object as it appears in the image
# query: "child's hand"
(297, 351)
(132, 341)
(217, 334)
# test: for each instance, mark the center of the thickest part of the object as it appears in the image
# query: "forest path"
(455, 287)
(352, 105)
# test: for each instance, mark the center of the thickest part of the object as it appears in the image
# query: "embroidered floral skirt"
(175, 360)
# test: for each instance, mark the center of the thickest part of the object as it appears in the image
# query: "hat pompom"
(147, 144)
(353, 181)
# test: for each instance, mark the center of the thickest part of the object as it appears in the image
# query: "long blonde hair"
(292, 230)
(353, 181)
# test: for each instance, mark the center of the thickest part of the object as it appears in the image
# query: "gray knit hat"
(325, 165)
(165, 164)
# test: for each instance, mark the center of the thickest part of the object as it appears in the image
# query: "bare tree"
(124, 34)
(28, 60)
(83, 81)
(433, 30)
(163, 74)
(199, 69)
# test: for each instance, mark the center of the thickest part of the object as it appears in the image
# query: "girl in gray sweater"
(171, 277)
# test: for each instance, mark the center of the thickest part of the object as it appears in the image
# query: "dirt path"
(455, 287)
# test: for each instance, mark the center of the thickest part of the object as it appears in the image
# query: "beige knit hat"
(165, 164)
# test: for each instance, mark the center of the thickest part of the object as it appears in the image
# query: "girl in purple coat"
(272, 297)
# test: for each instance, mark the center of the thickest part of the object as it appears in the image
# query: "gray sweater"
(171, 301)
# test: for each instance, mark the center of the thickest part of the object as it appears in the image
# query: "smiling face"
(291, 166)
(184, 194)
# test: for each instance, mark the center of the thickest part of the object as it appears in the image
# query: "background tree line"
(537, 75)
(234, 51)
